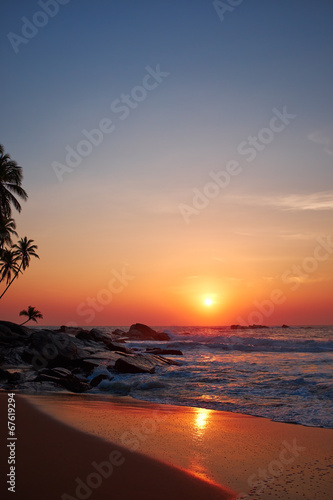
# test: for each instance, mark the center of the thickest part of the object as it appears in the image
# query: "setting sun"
(208, 302)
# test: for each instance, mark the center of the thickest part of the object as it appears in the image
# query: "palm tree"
(32, 313)
(10, 182)
(22, 251)
(7, 230)
(8, 266)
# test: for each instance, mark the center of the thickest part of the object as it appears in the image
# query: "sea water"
(284, 374)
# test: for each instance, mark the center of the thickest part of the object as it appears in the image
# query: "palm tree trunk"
(25, 322)
(16, 275)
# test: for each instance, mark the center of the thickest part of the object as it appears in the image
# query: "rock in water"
(135, 364)
(143, 332)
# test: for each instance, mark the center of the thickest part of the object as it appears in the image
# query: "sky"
(177, 156)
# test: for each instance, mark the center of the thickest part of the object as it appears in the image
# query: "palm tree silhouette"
(7, 230)
(8, 266)
(32, 313)
(22, 251)
(10, 182)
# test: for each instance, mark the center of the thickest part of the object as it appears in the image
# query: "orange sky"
(214, 182)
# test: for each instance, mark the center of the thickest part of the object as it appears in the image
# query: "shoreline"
(253, 455)
(103, 396)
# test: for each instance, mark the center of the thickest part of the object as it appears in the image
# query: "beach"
(160, 451)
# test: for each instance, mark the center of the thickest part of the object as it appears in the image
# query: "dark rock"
(50, 349)
(84, 335)
(14, 328)
(284, 326)
(135, 364)
(60, 377)
(139, 331)
(98, 379)
(100, 336)
(12, 335)
(4, 374)
(170, 352)
(15, 378)
(114, 346)
(117, 331)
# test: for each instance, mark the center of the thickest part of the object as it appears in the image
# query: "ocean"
(284, 374)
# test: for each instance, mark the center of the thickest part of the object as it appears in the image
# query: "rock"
(135, 364)
(50, 349)
(13, 355)
(14, 328)
(139, 331)
(4, 374)
(13, 335)
(64, 378)
(284, 326)
(170, 352)
(15, 378)
(100, 336)
(84, 335)
(117, 331)
(114, 346)
(98, 379)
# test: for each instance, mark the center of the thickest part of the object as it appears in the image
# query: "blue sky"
(225, 78)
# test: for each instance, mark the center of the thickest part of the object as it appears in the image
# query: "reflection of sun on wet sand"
(264, 459)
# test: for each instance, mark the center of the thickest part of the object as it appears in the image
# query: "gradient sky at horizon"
(118, 210)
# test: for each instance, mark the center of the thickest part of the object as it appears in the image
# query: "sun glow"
(208, 302)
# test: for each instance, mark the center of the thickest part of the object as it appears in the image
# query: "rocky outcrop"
(46, 360)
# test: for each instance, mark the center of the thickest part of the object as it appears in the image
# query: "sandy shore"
(56, 461)
(254, 456)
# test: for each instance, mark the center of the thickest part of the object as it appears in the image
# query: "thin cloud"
(314, 201)
(324, 137)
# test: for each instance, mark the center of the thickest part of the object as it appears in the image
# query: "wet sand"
(255, 457)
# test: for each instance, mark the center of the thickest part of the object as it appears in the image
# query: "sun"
(208, 302)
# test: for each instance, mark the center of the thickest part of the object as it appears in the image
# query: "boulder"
(62, 377)
(117, 331)
(84, 335)
(135, 364)
(14, 328)
(98, 379)
(138, 331)
(114, 346)
(100, 336)
(50, 349)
